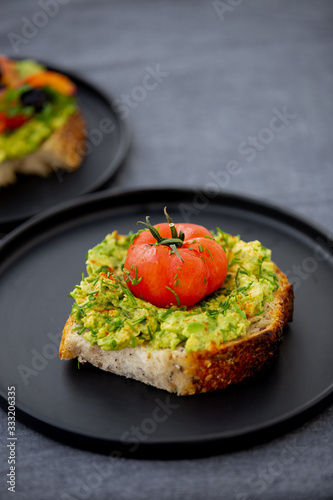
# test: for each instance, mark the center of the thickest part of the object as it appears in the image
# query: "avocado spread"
(27, 138)
(110, 316)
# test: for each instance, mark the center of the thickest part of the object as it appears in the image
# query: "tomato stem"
(176, 239)
(171, 224)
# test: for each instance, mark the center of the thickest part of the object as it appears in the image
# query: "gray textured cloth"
(226, 69)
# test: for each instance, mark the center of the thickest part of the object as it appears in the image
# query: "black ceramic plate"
(106, 148)
(43, 260)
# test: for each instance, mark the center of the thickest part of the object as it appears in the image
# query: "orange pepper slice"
(59, 82)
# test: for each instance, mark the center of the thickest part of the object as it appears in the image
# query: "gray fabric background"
(225, 73)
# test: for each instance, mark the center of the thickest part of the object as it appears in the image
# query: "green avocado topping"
(110, 316)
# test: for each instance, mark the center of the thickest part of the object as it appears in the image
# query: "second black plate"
(107, 144)
(43, 260)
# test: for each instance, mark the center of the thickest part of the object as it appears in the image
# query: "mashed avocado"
(28, 67)
(110, 316)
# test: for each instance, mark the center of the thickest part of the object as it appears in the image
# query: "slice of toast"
(189, 373)
(64, 149)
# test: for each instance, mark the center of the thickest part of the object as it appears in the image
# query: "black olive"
(35, 97)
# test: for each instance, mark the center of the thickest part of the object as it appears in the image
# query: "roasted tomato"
(11, 122)
(16, 121)
(2, 122)
(174, 264)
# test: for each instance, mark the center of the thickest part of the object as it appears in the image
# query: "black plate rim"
(204, 438)
(300, 222)
(125, 132)
(205, 441)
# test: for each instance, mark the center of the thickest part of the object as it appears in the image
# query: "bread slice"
(64, 149)
(190, 373)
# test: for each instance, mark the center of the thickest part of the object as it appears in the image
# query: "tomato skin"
(2, 122)
(215, 259)
(16, 121)
(159, 276)
(12, 122)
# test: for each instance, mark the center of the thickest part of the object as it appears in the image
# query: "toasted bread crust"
(244, 358)
(63, 149)
(196, 372)
(67, 143)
